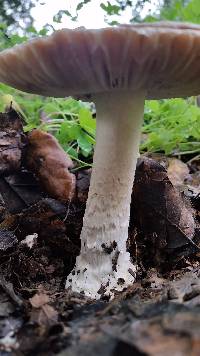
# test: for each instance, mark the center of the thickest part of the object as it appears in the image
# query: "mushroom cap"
(161, 58)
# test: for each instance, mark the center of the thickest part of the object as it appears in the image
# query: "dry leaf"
(42, 313)
(46, 158)
(177, 172)
(39, 299)
(159, 211)
(45, 315)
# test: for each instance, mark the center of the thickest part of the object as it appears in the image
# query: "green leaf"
(110, 9)
(58, 17)
(86, 147)
(86, 121)
(72, 152)
(69, 131)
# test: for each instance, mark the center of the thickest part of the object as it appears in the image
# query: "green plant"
(68, 119)
(177, 10)
(172, 126)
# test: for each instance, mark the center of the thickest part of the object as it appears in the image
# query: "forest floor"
(40, 239)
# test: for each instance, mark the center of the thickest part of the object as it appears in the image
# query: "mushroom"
(116, 68)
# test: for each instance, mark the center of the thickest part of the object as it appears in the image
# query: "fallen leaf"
(162, 215)
(46, 315)
(7, 239)
(42, 313)
(50, 163)
(39, 299)
(11, 142)
(177, 172)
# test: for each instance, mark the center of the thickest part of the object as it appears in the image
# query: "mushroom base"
(104, 265)
(99, 273)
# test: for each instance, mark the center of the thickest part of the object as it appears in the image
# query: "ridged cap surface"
(162, 58)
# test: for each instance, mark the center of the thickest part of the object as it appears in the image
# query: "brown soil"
(158, 315)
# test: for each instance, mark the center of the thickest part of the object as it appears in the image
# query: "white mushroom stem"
(104, 264)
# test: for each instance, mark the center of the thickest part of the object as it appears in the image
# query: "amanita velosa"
(116, 68)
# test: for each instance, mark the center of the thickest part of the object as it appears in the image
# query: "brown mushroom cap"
(162, 58)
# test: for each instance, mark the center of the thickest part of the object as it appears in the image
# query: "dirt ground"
(40, 239)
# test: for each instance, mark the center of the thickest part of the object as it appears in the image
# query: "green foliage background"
(170, 126)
